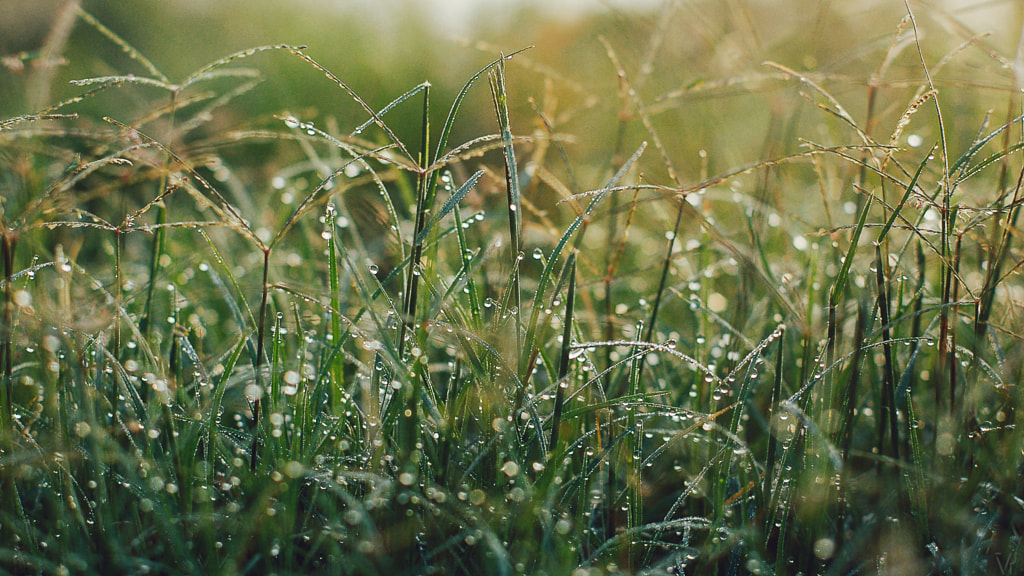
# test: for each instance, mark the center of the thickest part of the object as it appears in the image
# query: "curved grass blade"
(124, 46)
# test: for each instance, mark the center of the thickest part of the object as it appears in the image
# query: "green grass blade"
(449, 205)
(563, 363)
(499, 96)
(545, 277)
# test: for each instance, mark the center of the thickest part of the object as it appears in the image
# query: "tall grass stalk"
(563, 361)
(499, 95)
(7, 241)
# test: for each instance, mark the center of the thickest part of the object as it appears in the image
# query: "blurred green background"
(698, 66)
(706, 80)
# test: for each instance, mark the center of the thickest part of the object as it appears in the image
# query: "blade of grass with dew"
(888, 369)
(993, 274)
(449, 123)
(467, 265)
(7, 243)
(848, 403)
(751, 362)
(337, 367)
(156, 252)
(770, 461)
(383, 111)
(408, 423)
(563, 365)
(580, 220)
(449, 205)
(447, 301)
(544, 334)
(837, 289)
(124, 46)
(896, 212)
(499, 97)
(424, 204)
(408, 160)
(260, 380)
(273, 393)
(666, 267)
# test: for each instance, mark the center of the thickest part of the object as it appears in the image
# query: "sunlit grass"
(302, 343)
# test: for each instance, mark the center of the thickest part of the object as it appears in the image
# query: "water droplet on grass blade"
(510, 468)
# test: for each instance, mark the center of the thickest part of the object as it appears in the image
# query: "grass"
(297, 344)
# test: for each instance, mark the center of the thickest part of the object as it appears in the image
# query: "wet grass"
(305, 344)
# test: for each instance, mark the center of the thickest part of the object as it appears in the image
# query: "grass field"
(727, 288)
